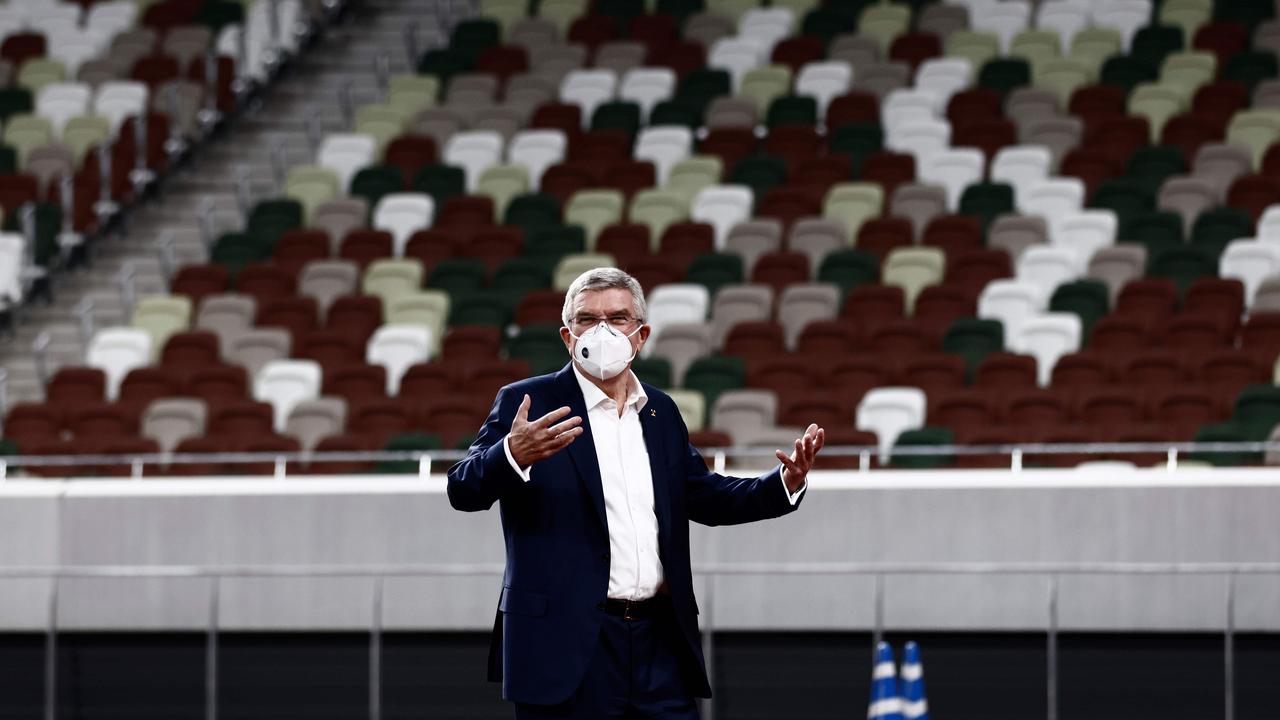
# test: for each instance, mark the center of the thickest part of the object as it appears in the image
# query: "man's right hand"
(530, 442)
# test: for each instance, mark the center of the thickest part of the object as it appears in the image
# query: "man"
(597, 617)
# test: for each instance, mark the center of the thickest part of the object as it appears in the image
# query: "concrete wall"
(1101, 516)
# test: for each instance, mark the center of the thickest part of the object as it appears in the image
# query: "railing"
(378, 574)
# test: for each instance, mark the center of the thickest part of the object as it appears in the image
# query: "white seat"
(722, 206)
(396, 347)
(647, 86)
(1065, 17)
(1011, 302)
(824, 81)
(1123, 15)
(738, 55)
(403, 214)
(62, 101)
(1053, 198)
(117, 350)
(346, 154)
(920, 137)
(12, 251)
(803, 303)
(112, 16)
(1047, 337)
(1021, 166)
(537, 150)
(474, 151)
(1269, 225)
(1084, 233)
(906, 105)
(284, 384)
(588, 89)
(676, 303)
(767, 26)
(118, 99)
(888, 411)
(1005, 19)
(664, 146)
(1045, 267)
(944, 77)
(954, 170)
(1250, 261)
(76, 48)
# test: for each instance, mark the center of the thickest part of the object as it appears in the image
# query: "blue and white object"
(886, 702)
(914, 704)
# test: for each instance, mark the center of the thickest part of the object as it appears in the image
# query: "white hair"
(606, 278)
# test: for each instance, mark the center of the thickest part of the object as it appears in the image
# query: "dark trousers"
(634, 675)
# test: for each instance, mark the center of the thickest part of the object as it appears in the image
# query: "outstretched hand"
(530, 442)
(796, 466)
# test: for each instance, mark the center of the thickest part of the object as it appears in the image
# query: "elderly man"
(597, 483)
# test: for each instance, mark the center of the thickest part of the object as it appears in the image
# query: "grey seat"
(553, 62)
(226, 315)
(731, 112)
(440, 123)
(340, 216)
(816, 237)
(741, 409)
(169, 421)
(1273, 456)
(882, 78)
(502, 119)
(739, 303)
(95, 72)
(471, 89)
(128, 46)
(857, 50)
(1117, 265)
(328, 280)
(6, 72)
(1015, 233)
(1220, 164)
(918, 203)
(527, 91)
(256, 347)
(753, 238)
(1267, 297)
(942, 20)
(312, 420)
(1060, 134)
(681, 344)
(181, 100)
(801, 304)
(1188, 196)
(50, 161)
(187, 42)
(1267, 36)
(1266, 94)
(1027, 104)
(533, 32)
(620, 56)
(706, 28)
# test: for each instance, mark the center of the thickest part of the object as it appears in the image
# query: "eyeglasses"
(622, 321)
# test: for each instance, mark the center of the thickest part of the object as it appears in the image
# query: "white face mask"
(602, 351)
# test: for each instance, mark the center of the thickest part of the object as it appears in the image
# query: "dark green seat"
(849, 269)
(235, 250)
(444, 64)
(48, 225)
(974, 339)
(1251, 68)
(441, 182)
(1249, 13)
(924, 436)
(986, 201)
(702, 86)
(553, 243)
(1228, 432)
(792, 110)
(677, 112)
(618, 115)
(8, 160)
(1215, 228)
(715, 270)
(471, 38)
(1155, 230)
(761, 173)
(713, 374)
(857, 140)
(1257, 408)
(458, 275)
(1150, 166)
(1153, 43)
(278, 211)
(523, 274)
(1004, 74)
(540, 346)
(679, 9)
(217, 14)
(1183, 265)
(8, 446)
(827, 22)
(15, 101)
(481, 307)
(407, 442)
(371, 183)
(1125, 197)
(621, 10)
(533, 212)
(1125, 72)
(653, 370)
(1088, 299)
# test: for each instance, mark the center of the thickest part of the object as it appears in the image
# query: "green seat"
(398, 283)
(1153, 43)
(15, 101)
(680, 10)
(1123, 196)
(500, 183)
(1126, 72)
(270, 219)
(9, 446)
(311, 185)
(792, 110)
(884, 23)
(481, 307)
(540, 346)
(8, 159)
(1216, 227)
(621, 10)
(1251, 68)
(976, 47)
(594, 210)
(761, 173)
(713, 374)
(715, 270)
(407, 442)
(1004, 74)
(217, 14)
(471, 38)
(974, 339)
(849, 269)
(657, 209)
(826, 23)
(1228, 432)
(551, 244)
(691, 175)
(677, 112)
(25, 133)
(443, 65)
(48, 225)
(523, 274)
(235, 250)
(37, 73)
(1155, 230)
(1151, 166)
(533, 212)
(441, 182)
(570, 267)
(701, 86)
(1183, 265)
(1249, 13)
(853, 203)
(1158, 103)
(857, 140)
(1088, 299)
(1257, 408)
(925, 436)
(653, 370)
(371, 183)
(458, 275)
(765, 84)
(986, 201)
(617, 115)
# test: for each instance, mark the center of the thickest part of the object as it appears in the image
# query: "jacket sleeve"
(484, 475)
(714, 499)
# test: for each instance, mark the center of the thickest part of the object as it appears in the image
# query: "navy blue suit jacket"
(557, 542)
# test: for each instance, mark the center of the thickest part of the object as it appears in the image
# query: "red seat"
(434, 245)
(593, 31)
(1253, 194)
(654, 270)
(145, 384)
(1035, 409)
(1111, 407)
(1092, 166)
(455, 418)
(687, 240)
(564, 117)
(346, 443)
(1228, 370)
(1190, 131)
(872, 304)
(1152, 367)
(682, 56)
(465, 212)
(989, 136)
(265, 282)
(76, 385)
(630, 176)
(1196, 332)
(269, 443)
(199, 281)
(1260, 336)
(19, 47)
(411, 153)
(155, 70)
(564, 179)
(121, 445)
(1114, 333)
(798, 51)
(880, 236)
(827, 338)
(494, 245)
(794, 143)
(624, 241)
(938, 306)
(827, 409)
(898, 337)
(988, 435)
(1119, 137)
(756, 340)
(729, 144)
(362, 246)
(381, 418)
(1218, 102)
(242, 418)
(974, 270)
(1073, 434)
(933, 372)
(914, 48)
(1185, 405)
(1098, 101)
(1220, 298)
(1082, 369)
(296, 248)
(853, 376)
(958, 408)
(540, 307)
(330, 348)
(484, 379)
(296, 314)
(957, 235)
(820, 173)
(658, 32)
(785, 375)
(426, 380)
(471, 342)
(188, 351)
(1147, 300)
(28, 421)
(847, 437)
(503, 61)
(218, 384)
(204, 445)
(856, 106)
(890, 170)
(356, 316)
(1005, 370)
(1223, 39)
(973, 105)
(600, 146)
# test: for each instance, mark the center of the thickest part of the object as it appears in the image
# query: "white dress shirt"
(635, 570)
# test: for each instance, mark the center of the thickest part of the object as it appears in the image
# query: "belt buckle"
(626, 610)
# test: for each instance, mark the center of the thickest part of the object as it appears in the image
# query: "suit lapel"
(652, 425)
(582, 450)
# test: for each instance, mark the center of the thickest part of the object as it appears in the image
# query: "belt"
(635, 609)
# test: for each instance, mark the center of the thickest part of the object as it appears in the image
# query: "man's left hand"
(795, 467)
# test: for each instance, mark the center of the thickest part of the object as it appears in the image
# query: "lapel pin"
(653, 413)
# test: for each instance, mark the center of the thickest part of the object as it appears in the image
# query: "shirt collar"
(594, 395)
